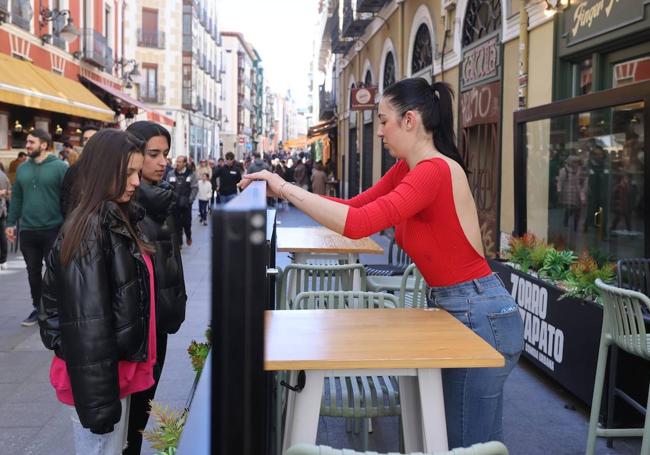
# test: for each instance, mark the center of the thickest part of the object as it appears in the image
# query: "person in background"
(258, 164)
(156, 196)
(204, 194)
(191, 164)
(98, 312)
(426, 196)
(13, 166)
(215, 183)
(229, 176)
(185, 186)
(318, 179)
(203, 168)
(300, 175)
(71, 155)
(69, 193)
(5, 194)
(35, 201)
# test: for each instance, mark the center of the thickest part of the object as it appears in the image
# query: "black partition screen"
(241, 292)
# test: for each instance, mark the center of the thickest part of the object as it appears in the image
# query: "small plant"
(164, 436)
(199, 351)
(527, 251)
(556, 264)
(580, 280)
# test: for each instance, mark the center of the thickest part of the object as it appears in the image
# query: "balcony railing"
(370, 6)
(339, 45)
(156, 97)
(96, 49)
(354, 22)
(151, 38)
(327, 103)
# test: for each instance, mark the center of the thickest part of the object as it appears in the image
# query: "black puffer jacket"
(95, 312)
(158, 226)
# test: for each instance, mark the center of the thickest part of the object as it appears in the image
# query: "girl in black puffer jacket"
(158, 199)
(96, 311)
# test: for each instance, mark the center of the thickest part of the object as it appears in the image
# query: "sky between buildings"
(283, 32)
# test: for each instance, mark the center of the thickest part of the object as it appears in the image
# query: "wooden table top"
(372, 338)
(310, 239)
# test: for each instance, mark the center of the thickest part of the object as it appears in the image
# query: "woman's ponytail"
(444, 137)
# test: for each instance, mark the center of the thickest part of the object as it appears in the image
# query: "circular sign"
(363, 96)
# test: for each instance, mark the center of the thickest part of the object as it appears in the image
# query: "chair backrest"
(486, 448)
(396, 255)
(415, 297)
(322, 300)
(634, 274)
(622, 312)
(297, 278)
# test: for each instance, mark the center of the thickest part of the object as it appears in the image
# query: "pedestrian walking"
(258, 164)
(203, 168)
(185, 186)
(69, 194)
(35, 202)
(318, 179)
(98, 312)
(13, 166)
(427, 197)
(215, 182)
(5, 194)
(157, 198)
(229, 176)
(204, 194)
(300, 175)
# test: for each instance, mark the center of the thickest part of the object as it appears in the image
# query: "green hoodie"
(36, 195)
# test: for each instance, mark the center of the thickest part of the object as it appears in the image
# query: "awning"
(322, 127)
(128, 99)
(24, 84)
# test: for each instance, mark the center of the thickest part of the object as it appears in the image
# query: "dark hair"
(230, 156)
(21, 154)
(67, 145)
(42, 136)
(101, 177)
(145, 130)
(434, 102)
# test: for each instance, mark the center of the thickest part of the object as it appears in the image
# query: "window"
(631, 71)
(149, 35)
(4, 130)
(149, 87)
(482, 17)
(422, 50)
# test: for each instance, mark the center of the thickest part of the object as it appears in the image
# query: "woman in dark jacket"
(157, 198)
(96, 311)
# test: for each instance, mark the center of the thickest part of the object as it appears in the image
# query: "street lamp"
(68, 33)
(127, 76)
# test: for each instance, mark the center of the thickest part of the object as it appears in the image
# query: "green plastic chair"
(297, 278)
(355, 397)
(623, 327)
(413, 289)
(487, 448)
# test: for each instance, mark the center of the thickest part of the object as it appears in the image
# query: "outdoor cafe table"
(412, 343)
(310, 242)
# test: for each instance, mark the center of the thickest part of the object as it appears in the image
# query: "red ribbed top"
(420, 204)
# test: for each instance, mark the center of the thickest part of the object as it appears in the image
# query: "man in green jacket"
(35, 201)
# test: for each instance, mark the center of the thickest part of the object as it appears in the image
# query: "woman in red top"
(97, 312)
(426, 196)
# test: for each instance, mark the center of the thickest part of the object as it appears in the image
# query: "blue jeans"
(474, 396)
(228, 198)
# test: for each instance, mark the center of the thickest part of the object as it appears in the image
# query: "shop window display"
(585, 180)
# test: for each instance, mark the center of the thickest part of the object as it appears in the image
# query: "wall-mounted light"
(78, 131)
(553, 6)
(128, 75)
(69, 32)
(59, 130)
(46, 38)
(18, 127)
(76, 54)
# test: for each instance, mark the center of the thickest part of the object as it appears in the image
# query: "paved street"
(539, 417)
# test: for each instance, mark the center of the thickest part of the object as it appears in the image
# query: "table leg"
(411, 416)
(303, 409)
(434, 424)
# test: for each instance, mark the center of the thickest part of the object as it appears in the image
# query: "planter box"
(561, 338)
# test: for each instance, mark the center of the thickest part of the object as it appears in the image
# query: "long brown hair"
(102, 175)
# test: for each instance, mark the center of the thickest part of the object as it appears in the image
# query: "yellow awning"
(25, 84)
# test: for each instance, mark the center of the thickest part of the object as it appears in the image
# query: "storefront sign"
(481, 62)
(480, 105)
(363, 98)
(590, 18)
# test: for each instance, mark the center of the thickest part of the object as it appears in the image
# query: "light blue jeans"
(113, 443)
(474, 396)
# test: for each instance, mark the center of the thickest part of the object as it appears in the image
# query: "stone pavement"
(539, 417)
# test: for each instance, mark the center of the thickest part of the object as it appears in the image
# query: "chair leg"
(645, 444)
(611, 391)
(598, 392)
(364, 434)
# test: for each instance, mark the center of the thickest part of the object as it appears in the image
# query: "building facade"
(54, 58)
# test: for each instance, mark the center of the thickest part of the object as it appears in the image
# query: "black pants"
(4, 246)
(184, 222)
(203, 210)
(35, 246)
(139, 410)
